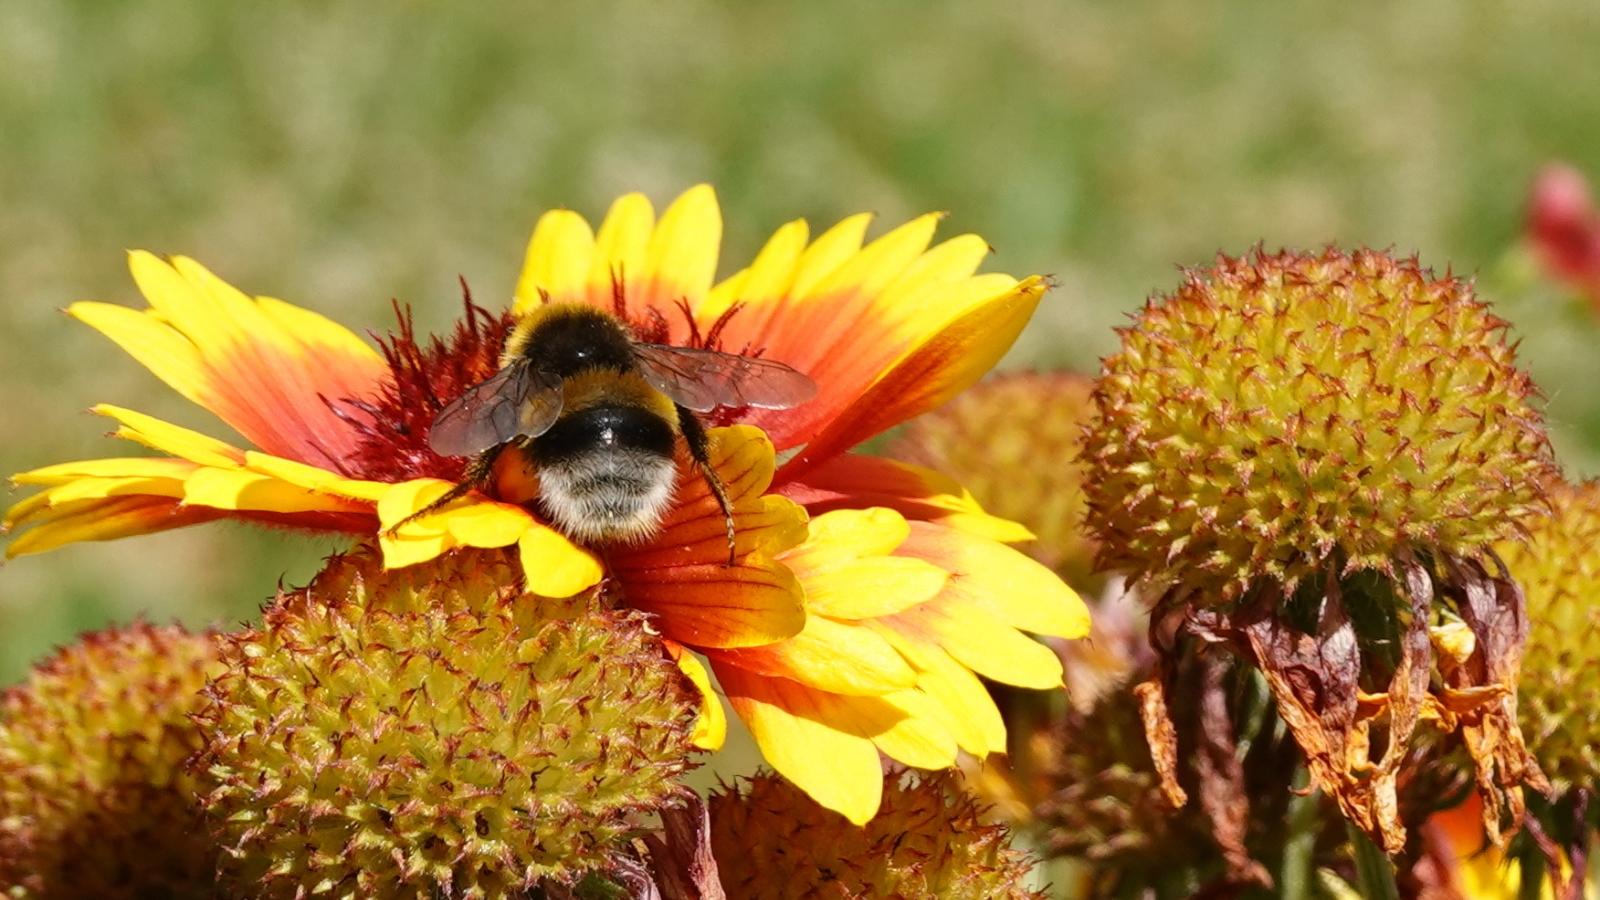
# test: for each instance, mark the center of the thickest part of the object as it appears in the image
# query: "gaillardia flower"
(94, 797)
(931, 840)
(863, 594)
(423, 732)
(1307, 458)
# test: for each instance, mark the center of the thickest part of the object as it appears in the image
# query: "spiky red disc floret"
(423, 377)
(929, 839)
(94, 797)
(432, 732)
(1279, 411)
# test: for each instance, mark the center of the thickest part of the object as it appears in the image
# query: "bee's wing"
(703, 380)
(518, 401)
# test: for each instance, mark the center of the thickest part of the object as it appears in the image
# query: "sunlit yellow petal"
(794, 727)
(950, 261)
(621, 249)
(125, 467)
(881, 262)
(831, 656)
(878, 586)
(766, 281)
(487, 524)
(919, 739)
(963, 704)
(243, 490)
(316, 329)
(828, 252)
(155, 345)
(682, 259)
(104, 520)
(314, 478)
(408, 548)
(554, 566)
(711, 727)
(982, 644)
(169, 438)
(558, 259)
(1001, 582)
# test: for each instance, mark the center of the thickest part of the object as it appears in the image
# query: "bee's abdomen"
(606, 472)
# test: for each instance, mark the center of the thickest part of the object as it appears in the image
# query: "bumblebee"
(598, 415)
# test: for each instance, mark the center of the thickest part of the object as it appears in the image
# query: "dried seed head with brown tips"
(929, 839)
(1278, 412)
(434, 732)
(94, 798)
(1305, 457)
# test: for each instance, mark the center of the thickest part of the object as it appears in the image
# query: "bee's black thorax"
(570, 339)
(602, 429)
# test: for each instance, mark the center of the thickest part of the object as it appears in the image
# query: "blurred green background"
(340, 154)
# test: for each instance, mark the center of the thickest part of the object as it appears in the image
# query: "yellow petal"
(831, 656)
(621, 249)
(768, 278)
(711, 727)
(1001, 581)
(883, 261)
(104, 520)
(315, 329)
(868, 588)
(554, 566)
(961, 702)
(315, 478)
(682, 259)
(408, 548)
(125, 467)
(558, 259)
(828, 252)
(481, 523)
(919, 739)
(979, 642)
(803, 736)
(169, 438)
(243, 490)
(953, 260)
(154, 344)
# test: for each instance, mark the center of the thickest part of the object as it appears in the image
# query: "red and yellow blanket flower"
(865, 597)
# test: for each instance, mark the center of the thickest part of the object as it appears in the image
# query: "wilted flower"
(94, 798)
(862, 637)
(930, 840)
(1306, 458)
(433, 732)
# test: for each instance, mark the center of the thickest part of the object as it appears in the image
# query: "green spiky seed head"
(94, 797)
(1013, 442)
(929, 839)
(1281, 412)
(434, 732)
(1559, 570)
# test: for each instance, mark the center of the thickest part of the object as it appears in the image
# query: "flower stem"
(1374, 873)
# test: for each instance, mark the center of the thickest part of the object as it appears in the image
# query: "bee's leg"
(694, 434)
(476, 476)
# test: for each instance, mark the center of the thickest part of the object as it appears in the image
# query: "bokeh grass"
(343, 154)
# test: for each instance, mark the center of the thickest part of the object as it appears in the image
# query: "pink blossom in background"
(1564, 228)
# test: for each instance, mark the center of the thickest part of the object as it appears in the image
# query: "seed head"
(1281, 410)
(1013, 442)
(1559, 571)
(928, 840)
(94, 798)
(434, 732)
